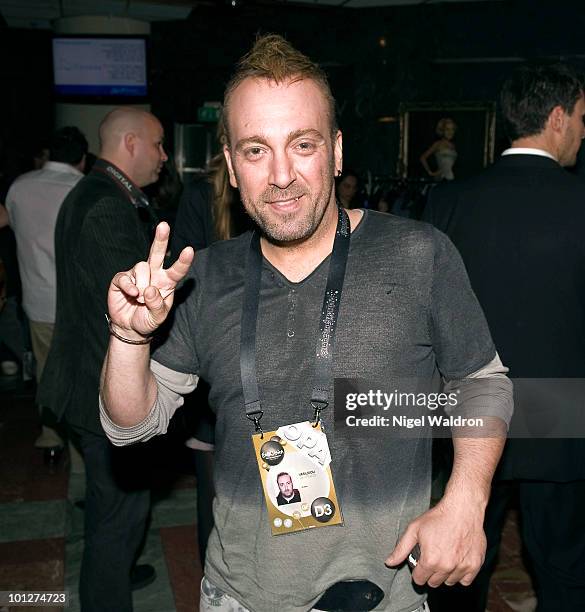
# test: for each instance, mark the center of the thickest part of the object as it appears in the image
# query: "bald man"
(104, 225)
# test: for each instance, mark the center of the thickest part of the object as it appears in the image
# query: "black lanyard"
(327, 324)
(134, 193)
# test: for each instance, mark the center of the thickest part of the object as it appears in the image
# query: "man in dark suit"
(519, 227)
(103, 226)
(287, 494)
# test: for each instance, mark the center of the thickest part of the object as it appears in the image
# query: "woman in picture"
(443, 150)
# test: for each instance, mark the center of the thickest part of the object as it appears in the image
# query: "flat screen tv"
(100, 68)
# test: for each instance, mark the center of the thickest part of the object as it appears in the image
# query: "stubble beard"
(296, 226)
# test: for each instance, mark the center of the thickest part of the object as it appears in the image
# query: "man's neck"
(116, 161)
(540, 141)
(297, 260)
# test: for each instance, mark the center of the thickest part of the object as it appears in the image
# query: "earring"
(339, 173)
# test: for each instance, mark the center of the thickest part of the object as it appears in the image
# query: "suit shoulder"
(89, 192)
(98, 185)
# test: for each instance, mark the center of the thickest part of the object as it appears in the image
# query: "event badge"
(295, 468)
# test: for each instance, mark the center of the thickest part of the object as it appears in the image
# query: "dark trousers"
(204, 463)
(552, 519)
(117, 504)
(553, 531)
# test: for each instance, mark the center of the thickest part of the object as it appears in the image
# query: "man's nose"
(282, 172)
(164, 157)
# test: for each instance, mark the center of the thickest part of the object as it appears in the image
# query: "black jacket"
(519, 229)
(282, 501)
(101, 230)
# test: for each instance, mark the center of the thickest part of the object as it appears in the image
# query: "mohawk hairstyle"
(275, 59)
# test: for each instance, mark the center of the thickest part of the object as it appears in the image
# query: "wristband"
(146, 340)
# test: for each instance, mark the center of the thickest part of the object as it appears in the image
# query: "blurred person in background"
(346, 185)
(104, 223)
(33, 203)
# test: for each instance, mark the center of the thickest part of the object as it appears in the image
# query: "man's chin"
(287, 229)
(286, 236)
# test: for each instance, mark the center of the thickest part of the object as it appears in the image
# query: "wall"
(26, 105)
(192, 60)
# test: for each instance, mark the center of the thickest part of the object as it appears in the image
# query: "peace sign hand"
(140, 299)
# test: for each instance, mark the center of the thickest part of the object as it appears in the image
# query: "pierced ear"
(338, 152)
(230, 168)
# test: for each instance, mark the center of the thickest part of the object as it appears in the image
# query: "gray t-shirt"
(407, 310)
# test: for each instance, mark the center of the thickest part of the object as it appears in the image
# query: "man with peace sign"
(274, 316)
(105, 225)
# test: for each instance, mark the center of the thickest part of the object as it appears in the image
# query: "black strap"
(329, 315)
(137, 197)
(134, 193)
(248, 331)
(327, 325)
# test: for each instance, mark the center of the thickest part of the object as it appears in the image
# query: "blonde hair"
(275, 59)
(442, 125)
(223, 192)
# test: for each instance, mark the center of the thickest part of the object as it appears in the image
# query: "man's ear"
(556, 119)
(230, 167)
(130, 143)
(338, 152)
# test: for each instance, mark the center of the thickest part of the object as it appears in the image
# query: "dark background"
(433, 53)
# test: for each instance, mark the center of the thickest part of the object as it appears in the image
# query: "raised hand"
(139, 300)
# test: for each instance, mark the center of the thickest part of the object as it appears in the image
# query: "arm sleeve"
(171, 386)
(460, 335)
(486, 392)
(465, 353)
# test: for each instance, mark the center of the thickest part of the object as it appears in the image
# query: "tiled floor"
(41, 529)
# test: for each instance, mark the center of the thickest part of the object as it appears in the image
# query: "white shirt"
(527, 151)
(33, 203)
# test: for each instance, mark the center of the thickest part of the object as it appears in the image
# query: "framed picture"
(474, 138)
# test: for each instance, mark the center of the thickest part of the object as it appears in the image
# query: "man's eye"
(253, 152)
(305, 147)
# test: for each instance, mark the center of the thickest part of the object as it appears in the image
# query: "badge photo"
(294, 465)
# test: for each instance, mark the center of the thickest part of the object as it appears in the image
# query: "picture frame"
(474, 140)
